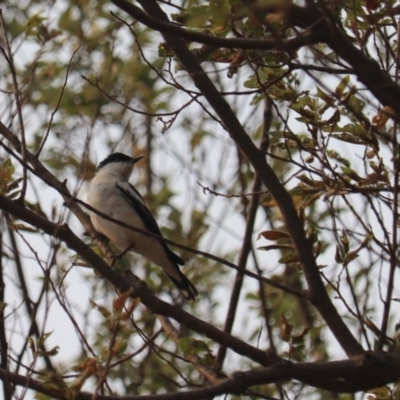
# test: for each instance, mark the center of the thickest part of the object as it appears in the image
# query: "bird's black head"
(118, 157)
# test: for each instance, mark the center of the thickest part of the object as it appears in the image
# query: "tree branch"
(31, 311)
(209, 374)
(371, 370)
(125, 283)
(318, 294)
(72, 202)
(247, 243)
(289, 45)
(324, 28)
(320, 27)
(7, 387)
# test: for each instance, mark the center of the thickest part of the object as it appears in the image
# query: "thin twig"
(10, 60)
(46, 135)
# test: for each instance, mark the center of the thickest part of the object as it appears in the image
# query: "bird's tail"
(186, 287)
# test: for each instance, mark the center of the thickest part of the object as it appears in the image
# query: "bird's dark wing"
(137, 202)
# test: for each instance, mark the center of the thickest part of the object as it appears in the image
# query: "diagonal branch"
(247, 244)
(73, 204)
(125, 283)
(303, 246)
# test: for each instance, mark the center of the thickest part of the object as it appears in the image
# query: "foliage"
(270, 135)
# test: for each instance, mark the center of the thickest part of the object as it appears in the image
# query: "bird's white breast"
(104, 196)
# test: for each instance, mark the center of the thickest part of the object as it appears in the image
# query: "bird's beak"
(136, 159)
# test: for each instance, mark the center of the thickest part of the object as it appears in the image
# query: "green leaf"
(289, 258)
(191, 346)
(308, 181)
(42, 339)
(123, 264)
(33, 24)
(342, 86)
(335, 155)
(50, 353)
(351, 173)
(329, 99)
(6, 172)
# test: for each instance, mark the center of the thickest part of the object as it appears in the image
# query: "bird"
(111, 193)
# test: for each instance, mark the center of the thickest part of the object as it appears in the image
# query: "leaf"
(312, 199)
(33, 24)
(276, 247)
(380, 170)
(122, 264)
(32, 345)
(383, 117)
(50, 353)
(319, 247)
(309, 159)
(302, 107)
(342, 86)
(42, 339)
(344, 240)
(164, 51)
(52, 381)
(6, 172)
(351, 255)
(273, 235)
(104, 312)
(328, 99)
(351, 174)
(288, 258)
(120, 301)
(194, 347)
(286, 329)
(338, 255)
(335, 155)
(310, 182)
